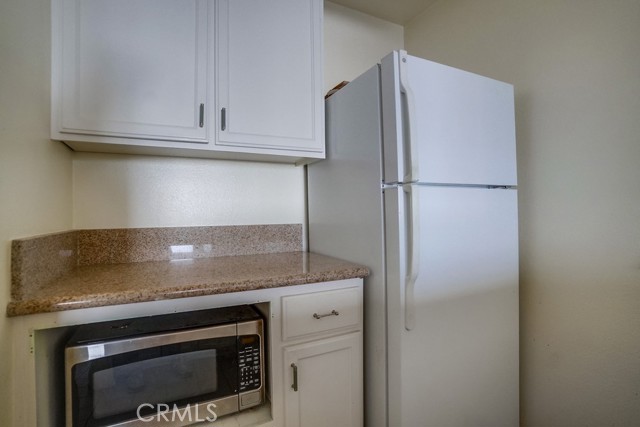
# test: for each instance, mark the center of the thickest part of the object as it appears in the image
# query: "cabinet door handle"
(201, 115)
(294, 386)
(223, 119)
(320, 316)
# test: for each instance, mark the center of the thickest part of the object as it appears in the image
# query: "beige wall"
(354, 42)
(44, 187)
(118, 191)
(35, 173)
(576, 69)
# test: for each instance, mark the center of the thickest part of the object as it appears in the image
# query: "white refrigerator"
(419, 185)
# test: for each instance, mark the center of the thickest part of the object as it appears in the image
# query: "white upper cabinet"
(269, 74)
(237, 79)
(135, 69)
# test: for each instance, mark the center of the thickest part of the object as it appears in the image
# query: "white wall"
(120, 191)
(44, 187)
(35, 173)
(354, 42)
(576, 69)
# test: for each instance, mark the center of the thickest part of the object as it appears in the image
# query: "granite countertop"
(67, 271)
(110, 284)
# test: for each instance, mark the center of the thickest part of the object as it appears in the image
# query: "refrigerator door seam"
(485, 186)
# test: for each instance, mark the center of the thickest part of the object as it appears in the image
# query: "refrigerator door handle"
(413, 254)
(411, 142)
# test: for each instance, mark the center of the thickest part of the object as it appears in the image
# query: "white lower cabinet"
(323, 382)
(322, 358)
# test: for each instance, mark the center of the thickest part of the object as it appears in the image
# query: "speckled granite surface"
(37, 261)
(114, 246)
(100, 285)
(93, 268)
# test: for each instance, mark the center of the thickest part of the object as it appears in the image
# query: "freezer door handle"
(413, 253)
(410, 141)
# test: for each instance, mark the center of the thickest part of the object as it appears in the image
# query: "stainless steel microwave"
(169, 370)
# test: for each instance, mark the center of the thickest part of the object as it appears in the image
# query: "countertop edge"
(28, 306)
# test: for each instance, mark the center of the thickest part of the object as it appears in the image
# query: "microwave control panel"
(249, 362)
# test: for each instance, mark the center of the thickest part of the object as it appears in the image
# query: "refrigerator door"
(444, 125)
(453, 333)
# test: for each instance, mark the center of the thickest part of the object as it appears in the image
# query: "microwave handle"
(294, 386)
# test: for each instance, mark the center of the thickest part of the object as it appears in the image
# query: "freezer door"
(444, 125)
(453, 335)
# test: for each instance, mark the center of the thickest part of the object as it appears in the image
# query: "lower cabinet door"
(323, 384)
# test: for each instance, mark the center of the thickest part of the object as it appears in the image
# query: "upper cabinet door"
(135, 69)
(269, 82)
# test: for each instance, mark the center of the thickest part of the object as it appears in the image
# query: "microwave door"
(133, 377)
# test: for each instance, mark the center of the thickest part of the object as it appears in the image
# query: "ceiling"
(397, 11)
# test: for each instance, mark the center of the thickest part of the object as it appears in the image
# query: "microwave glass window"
(163, 379)
(110, 389)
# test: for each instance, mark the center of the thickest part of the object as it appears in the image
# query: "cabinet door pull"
(223, 119)
(320, 316)
(294, 386)
(201, 115)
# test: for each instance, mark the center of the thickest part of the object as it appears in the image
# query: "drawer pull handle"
(294, 386)
(320, 316)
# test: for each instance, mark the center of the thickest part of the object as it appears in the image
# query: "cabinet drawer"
(320, 312)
